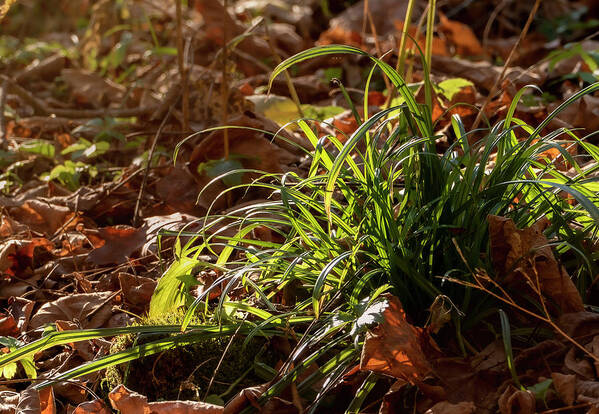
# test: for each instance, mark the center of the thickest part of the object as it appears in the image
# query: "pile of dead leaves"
(90, 119)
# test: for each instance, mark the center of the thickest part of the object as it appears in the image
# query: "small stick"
(509, 59)
(3, 132)
(290, 85)
(224, 87)
(182, 67)
(147, 170)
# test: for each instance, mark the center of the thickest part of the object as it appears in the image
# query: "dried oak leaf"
(130, 402)
(522, 255)
(395, 347)
(41, 217)
(90, 310)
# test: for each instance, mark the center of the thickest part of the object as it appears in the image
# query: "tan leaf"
(445, 407)
(394, 347)
(120, 242)
(41, 217)
(565, 386)
(522, 255)
(130, 402)
(89, 310)
(91, 88)
(137, 290)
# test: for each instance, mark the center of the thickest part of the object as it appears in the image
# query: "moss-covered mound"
(185, 372)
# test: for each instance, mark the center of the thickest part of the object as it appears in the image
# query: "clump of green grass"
(394, 217)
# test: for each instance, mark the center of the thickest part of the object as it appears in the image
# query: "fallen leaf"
(523, 255)
(484, 74)
(92, 407)
(120, 242)
(461, 36)
(89, 310)
(91, 88)
(130, 402)
(245, 398)
(41, 217)
(394, 347)
(32, 401)
(565, 385)
(137, 290)
(515, 401)
(10, 227)
(382, 12)
(445, 407)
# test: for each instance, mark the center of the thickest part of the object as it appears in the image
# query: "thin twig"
(222, 357)
(182, 67)
(147, 170)
(290, 85)
(509, 59)
(3, 131)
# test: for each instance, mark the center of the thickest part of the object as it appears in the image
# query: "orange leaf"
(395, 347)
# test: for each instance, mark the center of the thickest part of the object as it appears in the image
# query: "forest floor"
(109, 146)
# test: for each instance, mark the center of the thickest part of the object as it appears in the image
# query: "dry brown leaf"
(130, 402)
(580, 366)
(461, 35)
(515, 401)
(137, 290)
(47, 403)
(20, 257)
(565, 385)
(8, 326)
(439, 47)
(91, 88)
(382, 12)
(92, 407)
(445, 407)
(395, 348)
(523, 255)
(484, 74)
(246, 397)
(10, 227)
(89, 310)
(32, 401)
(120, 242)
(587, 391)
(41, 217)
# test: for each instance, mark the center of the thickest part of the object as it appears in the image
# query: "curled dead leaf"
(525, 255)
(515, 401)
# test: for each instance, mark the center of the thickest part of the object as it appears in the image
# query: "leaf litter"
(76, 131)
